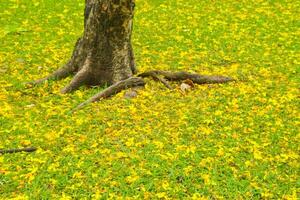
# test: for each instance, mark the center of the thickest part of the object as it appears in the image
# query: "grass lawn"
(233, 141)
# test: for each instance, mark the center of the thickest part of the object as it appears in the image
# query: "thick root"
(155, 76)
(114, 89)
(68, 69)
(79, 79)
(59, 74)
(180, 76)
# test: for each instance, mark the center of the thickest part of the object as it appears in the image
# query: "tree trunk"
(103, 55)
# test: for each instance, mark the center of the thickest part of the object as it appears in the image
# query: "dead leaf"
(184, 87)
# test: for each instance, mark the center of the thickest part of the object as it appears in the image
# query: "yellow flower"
(132, 178)
(206, 178)
(161, 195)
(257, 154)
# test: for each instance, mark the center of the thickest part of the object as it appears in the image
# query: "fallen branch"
(28, 150)
(180, 76)
(113, 89)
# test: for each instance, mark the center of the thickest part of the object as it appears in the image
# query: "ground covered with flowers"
(234, 141)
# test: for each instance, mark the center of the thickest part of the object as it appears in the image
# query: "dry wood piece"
(180, 76)
(113, 89)
(28, 150)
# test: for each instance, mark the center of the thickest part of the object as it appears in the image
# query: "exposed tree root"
(68, 69)
(84, 74)
(113, 89)
(28, 150)
(156, 76)
(59, 74)
(79, 79)
(180, 76)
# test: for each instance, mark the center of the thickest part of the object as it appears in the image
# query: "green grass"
(232, 141)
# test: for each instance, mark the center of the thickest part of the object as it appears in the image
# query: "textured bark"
(104, 54)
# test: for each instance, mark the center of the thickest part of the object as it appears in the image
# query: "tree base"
(157, 75)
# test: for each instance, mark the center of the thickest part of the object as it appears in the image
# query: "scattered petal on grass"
(233, 141)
